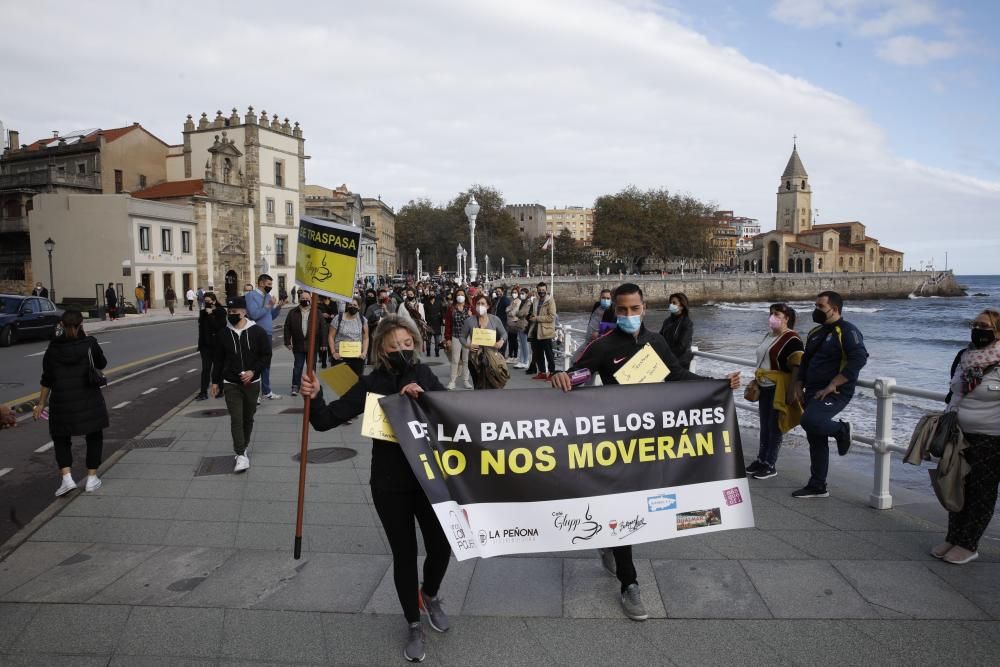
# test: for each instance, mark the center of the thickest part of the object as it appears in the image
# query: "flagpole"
(304, 451)
(552, 264)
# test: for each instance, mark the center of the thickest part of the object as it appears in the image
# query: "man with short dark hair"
(262, 309)
(824, 382)
(40, 291)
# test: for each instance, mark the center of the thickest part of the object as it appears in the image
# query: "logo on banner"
(732, 496)
(582, 528)
(458, 532)
(508, 535)
(699, 519)
(665, 501)
(622, 529)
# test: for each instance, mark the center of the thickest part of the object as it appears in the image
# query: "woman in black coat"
(76, 405)
(678, 330)
(396, 492)
(211, 321)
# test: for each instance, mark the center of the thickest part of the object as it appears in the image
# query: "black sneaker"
(201, 397)
(844, 439)
(811, 492)
(765, 472)
(755, 467)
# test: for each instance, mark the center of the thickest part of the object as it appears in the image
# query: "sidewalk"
(151, 316)
(165, 566)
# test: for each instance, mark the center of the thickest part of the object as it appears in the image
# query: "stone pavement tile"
(988, 629)
(274, 491)
(269, 459)
(70, 529)
(201, 447)
(807, 642)
(772, 516)
(516, 587)
(157, 488)
(749, 543)
(590, 591)
(595, 642)
(158, 661)
(33, 558)
(806, 589)
(192, 435)
(82, 575)
(691, 547)
(269, 536)
(245, 579)
(54, 660)
(909, 545)
(208, 509)
(124, 471)
(375, 640)
(118, 530)
(227, 487)
(708, 589)
(906, 589)
(834, 544)
(708, 642)
(163, 471)
(251, 634)
(91, 505)
(329, 582)
(852, 516)
(111, 487)
(13, 618)
(337, 493)
(316, 513)
(172, 631)
(147, 508)
(336, 474)
(160, 457)
(344, 539)
(201, 534)
(949, 643)
(73, 628)
(483, 641)
(166, 577)
(979, 583)
(453, 589)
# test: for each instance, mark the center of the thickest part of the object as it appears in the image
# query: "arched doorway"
(791, 265)
(232, 284)
(809, 265)
(746, 266)
(773, 253)
(798, 265)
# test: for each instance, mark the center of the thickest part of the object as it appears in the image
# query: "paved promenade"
(164, 566)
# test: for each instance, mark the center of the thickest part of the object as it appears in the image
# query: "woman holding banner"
(477, 331)
(396, 493)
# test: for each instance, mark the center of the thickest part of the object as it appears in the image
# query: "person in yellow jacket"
(779, 352)
(140, 299)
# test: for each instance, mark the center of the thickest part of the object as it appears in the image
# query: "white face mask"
(459, 299)
(481, 310)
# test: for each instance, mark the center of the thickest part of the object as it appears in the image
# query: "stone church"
(798, 246)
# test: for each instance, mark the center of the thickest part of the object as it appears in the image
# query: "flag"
(548, 241)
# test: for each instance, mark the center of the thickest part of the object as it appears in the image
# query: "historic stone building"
(798, 246)
(378, 255)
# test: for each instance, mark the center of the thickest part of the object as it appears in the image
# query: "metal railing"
(882, 442)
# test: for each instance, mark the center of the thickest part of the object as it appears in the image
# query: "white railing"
(882, 442)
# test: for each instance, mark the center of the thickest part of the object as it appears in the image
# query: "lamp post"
(465, 265)
(487, 259)
(598, 262)
(503, 260)
(458, 263)
(527, 267)
(418, 264)
(50, 245)
(471, 211)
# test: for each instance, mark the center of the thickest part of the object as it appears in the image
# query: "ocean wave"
(800, 307)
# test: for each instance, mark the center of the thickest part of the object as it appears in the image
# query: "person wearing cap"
(243, 352)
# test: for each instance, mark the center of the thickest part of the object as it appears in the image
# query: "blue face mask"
(629, 323)
(605, 303)
(674, 308)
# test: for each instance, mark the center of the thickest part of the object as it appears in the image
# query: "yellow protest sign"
(643, 368)
(327, 257)
(375, 424)
(349, 348)
(484, 337)
(339, 378)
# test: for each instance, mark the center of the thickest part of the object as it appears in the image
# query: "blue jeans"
(300, 362)
(818, 423)
(523, 348)
(265, 381)
(770, 434)
(140, 306)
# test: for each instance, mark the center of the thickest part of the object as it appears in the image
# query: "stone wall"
(580, 293)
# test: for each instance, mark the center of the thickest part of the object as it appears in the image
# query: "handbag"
(94, 375)
(945, 432)
(752, 392)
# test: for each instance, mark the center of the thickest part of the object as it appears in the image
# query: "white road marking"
(36, 354)
(4, 471)
(120, 405)
(46, 447)
(149, 391)
(104, 342)
(193, 370)
(173, 379)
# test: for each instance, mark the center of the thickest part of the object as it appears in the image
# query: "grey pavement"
(164, 566)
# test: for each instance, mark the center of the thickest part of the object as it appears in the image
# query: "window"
(803, 184)
(829, 244)
(851, 261)
(366, 220)
(788, 185)
(279, 172)
(289, 208)
(280, 243)
(119, 181)
(186, 242)
(62, 169)
(166, 240)
(144, 239)
(227, 170)
(270, 206)
(142, 181)
(81, 168)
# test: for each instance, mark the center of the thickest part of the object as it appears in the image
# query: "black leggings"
(396, 511)
(624, 566)
(543, 354)
(63, 446)
(207, 358)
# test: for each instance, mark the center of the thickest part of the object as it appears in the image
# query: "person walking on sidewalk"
(262, 309)
(349, 327)
(244, 351)
(296, 332)
(541, 330)
(76, 404)
(189, 298)
(396, 493)
(111, 301)
(479, 358)
(975, 394)
(170, 299)
(211, 321)
(454, 319)
(824, 384)
(140, 299)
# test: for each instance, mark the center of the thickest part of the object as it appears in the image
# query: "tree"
(496, 230)
(568, 251)
(421, 224)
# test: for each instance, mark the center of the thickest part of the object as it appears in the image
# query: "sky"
(893, 102)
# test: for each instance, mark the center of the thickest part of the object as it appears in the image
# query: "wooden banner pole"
(304, 452)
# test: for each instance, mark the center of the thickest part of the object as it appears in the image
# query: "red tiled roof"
(109, 136)
(803, 246)
(172, 190)
(836, 225)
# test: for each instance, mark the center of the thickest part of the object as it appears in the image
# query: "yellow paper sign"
(349, 348)
(376, 424)
(644, 367)
(484, 337)
(339, 378)
(327, 257)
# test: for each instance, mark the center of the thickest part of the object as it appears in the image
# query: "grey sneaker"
(414, 649)
(608, 561)
(632, 603)
(435, 612)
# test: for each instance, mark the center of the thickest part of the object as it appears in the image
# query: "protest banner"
(599, 467)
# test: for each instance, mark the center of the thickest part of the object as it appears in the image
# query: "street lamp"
(503, 260)
(527, 268)
(418, 264)
(465, 265)
(50, 245)
(471, 211)
(458, 263)
(598, 262)
(487, 258)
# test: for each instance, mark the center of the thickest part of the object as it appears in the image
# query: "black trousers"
(967, 526)
(542, 354)
(624, 566)
(241, 399)
(63, 446)
(207, 357)
(511, 342)
(396, 511)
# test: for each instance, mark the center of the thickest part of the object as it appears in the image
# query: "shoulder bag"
(94, 375)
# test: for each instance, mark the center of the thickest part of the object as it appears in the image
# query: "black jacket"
(293, 330)
(238, 351)
(833, 349)
(75, 406)
(678, 330)
(434, 310)
(111, 297)
(390, 470)
(611, 351)
(209, 327)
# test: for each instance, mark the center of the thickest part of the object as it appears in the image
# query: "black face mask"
(400, 360)
(304, 304)
(353, 310)
(234, 318)
(982, 337)
(819, 317)
(267, 290)
(209, 304)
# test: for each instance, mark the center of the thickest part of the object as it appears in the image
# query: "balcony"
(280, 259)
(9, 225)
(49, 178)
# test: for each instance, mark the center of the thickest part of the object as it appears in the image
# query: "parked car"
(28, 317)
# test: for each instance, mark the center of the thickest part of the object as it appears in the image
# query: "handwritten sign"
(644, 367)
(375, 424)
(339, 378)
(350, 349)
(484, 337)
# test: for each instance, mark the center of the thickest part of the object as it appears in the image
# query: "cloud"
(910, 50)
(556, 102)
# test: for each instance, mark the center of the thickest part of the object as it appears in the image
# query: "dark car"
(27, 317)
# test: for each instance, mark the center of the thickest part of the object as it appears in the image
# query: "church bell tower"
(794, 210)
